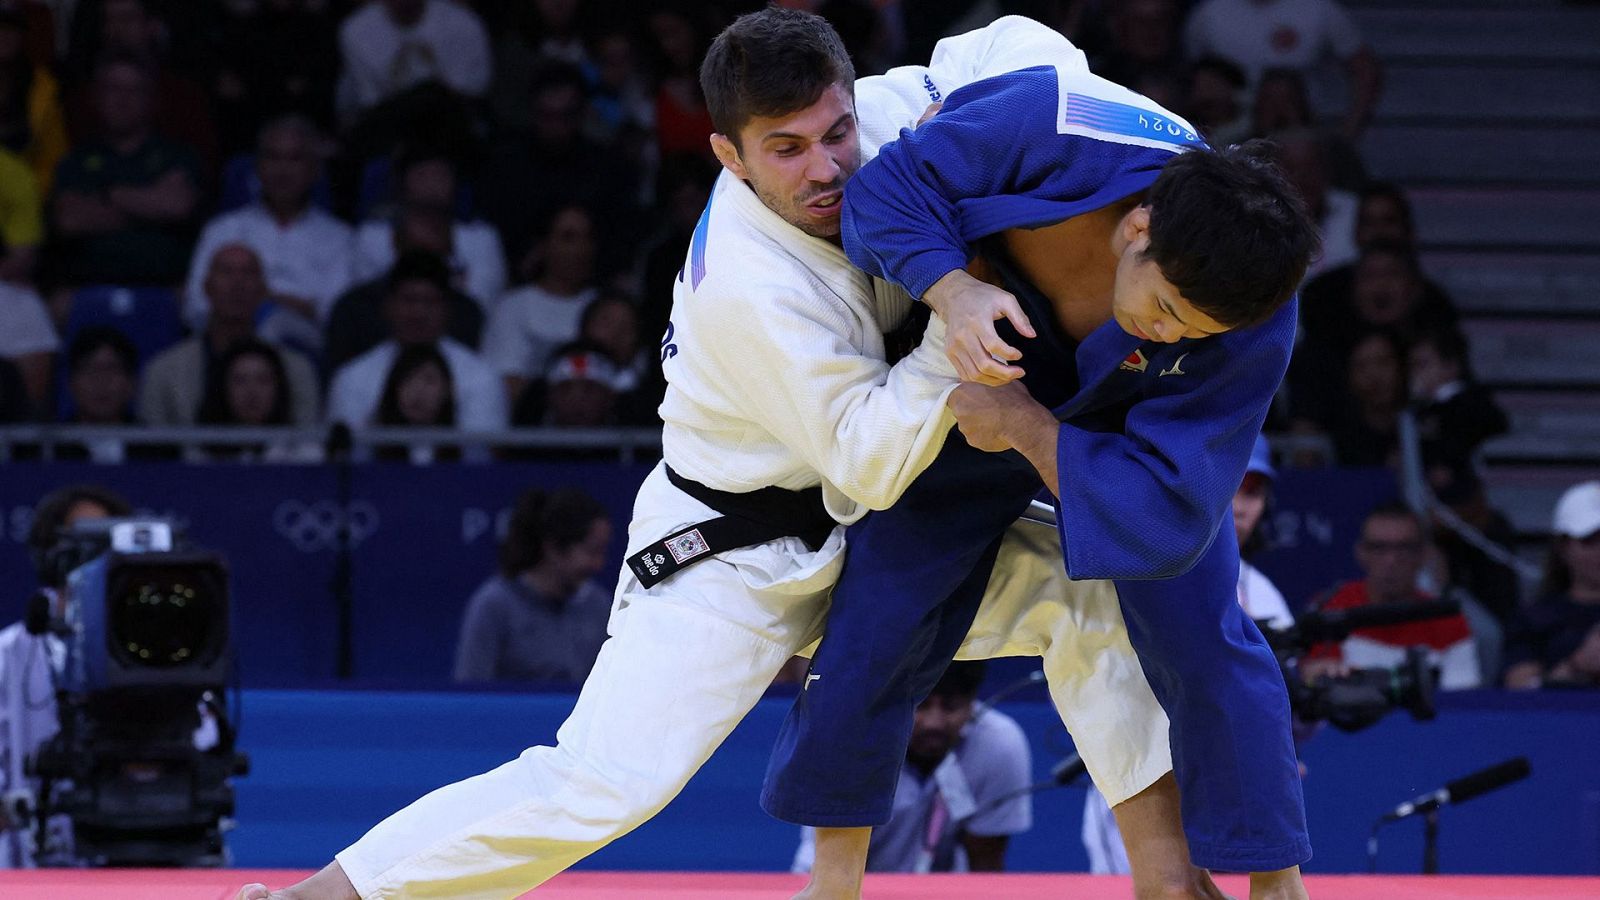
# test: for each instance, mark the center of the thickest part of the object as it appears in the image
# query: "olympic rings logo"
(312, 527)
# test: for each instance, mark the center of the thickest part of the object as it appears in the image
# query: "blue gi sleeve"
(1146, 502)
(992, 158)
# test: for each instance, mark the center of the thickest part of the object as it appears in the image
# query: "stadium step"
(1535, 352)
(1538, 94)
(1549, 425)
(1514, 31)
(1521, 218)
(1528, 493)
(1531, 283)
(1484, 154)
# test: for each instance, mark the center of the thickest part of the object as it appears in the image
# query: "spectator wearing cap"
(580, 389)
(1391, 552)
(416, 309)
(1556, 640)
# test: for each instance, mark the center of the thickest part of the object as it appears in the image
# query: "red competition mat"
(220, 884)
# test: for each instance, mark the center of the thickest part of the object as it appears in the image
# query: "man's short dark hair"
(1229, 232)
(961, 679)
(562, 517)
(771, 63)
(1388, 190)
(420, 265)
(90, 340)
(51, 515)
(1394, 509)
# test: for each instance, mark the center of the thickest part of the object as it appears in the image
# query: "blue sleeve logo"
(668, 348)
(1121, 118)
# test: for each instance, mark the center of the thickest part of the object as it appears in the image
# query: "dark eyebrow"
(800, 137)
(1171, 311)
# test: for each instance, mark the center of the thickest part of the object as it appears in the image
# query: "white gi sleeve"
(866, 428)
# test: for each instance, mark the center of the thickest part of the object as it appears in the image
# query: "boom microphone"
(1463, 789)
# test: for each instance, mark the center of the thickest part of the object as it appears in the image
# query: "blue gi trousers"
(910, 589)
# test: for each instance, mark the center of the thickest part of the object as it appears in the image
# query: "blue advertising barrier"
(424, 538)
(328, 765)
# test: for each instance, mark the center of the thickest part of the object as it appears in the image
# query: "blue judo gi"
(1154, 442)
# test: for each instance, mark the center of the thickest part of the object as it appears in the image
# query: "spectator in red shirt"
(1391, 552)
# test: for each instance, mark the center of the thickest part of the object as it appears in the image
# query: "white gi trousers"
(687, 659)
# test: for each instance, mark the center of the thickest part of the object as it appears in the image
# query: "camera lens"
(164, 618)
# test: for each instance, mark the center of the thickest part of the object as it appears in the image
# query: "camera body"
(1358, 700)
(144, 759)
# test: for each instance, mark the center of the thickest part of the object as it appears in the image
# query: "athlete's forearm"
(1035, 434)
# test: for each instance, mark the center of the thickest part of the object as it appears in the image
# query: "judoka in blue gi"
(1158, 277)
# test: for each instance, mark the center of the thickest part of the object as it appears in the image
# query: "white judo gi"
(776, 377)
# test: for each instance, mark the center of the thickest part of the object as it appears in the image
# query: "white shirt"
(527, 325)
(381, 59)
(979, 788)
(1292, 34)
(1260, 598)
(477, 265)
(1457, 663)
(25, 325)
(358, 388)
(27, 718)
(310, 257)
(1338, 228)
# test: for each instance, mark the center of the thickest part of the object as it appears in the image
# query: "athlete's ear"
(728, 155)
(1136, 224)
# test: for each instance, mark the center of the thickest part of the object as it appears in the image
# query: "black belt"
(746, 519)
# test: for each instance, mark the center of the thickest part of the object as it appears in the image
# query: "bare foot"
(814, 892)
(1207, 888)
(1284, 884)
(328, 884)
(255, 892)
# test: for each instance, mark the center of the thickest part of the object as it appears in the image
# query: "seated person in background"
(417, 311)
(1383, 218)
(21, 218)
(357, 323)
(1258, 597)
(429, 182)
(543, 617)
(580, 389)
(124, 203)
(1455, 414)
(1552, 641)
(250, 386)
(1304, 160)
(532, 321)
(418, 393)
(305, 252)
(1216, 87)
(611, 324)
(28, 340)
(102, 374)
(1391, 552)
(963, 792)
(235, 292)
(27, 701)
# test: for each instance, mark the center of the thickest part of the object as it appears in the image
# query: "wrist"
(938, 294)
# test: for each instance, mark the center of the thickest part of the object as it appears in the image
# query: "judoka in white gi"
(776, 379)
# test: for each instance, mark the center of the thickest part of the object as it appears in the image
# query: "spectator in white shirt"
(428, 181)
(28, 340)
(306, 252)
(392, 45)
(531, 322)
(417, 311)
(1258, 35)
